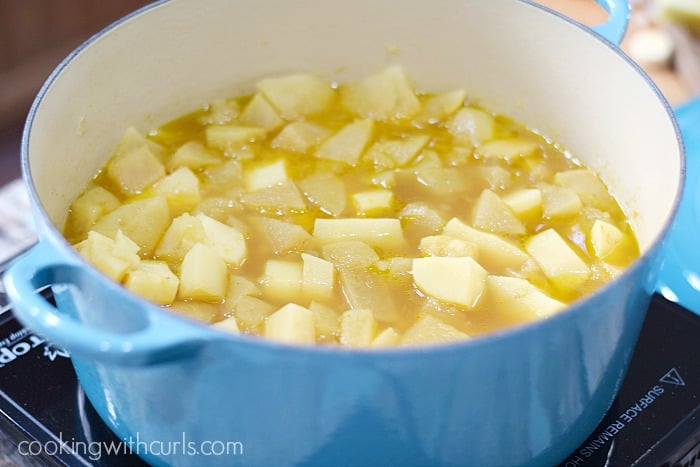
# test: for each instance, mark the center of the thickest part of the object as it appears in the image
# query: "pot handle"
(151, 337)
(616, 25)
(679, 277)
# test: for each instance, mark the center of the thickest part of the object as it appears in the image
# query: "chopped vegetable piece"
(291, 324)
(452, 280)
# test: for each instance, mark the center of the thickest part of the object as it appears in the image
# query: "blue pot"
(180, 393)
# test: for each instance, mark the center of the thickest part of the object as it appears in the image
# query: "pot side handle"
(154, 339)
(616, 25)
(679, 277)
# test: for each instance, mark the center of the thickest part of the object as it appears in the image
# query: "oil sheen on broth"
(360, 214)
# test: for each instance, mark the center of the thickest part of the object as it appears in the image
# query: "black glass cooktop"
(654, 421)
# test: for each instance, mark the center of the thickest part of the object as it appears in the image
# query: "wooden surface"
(590, 13)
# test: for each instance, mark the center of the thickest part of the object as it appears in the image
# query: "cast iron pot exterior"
(524, 396)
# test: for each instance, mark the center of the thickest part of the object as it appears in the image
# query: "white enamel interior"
(513, 57)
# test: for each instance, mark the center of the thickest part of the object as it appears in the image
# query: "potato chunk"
(318, 277)
(526, 203)
(112, 257)
(430, 330)
(386, 95)
(558, 260)
(283, 197)
(230, 137)
(227, 324)
(260, 113)
(495, 254)
(387, 338)
(440, 106)
(250, 312)
(266, 176)
(350, 254)
(368, 290)
(193, 155)
(300, 136)
(452, 280)
(181, 189)
(559, 202)
(357, 328)
(519, 299)
(228, 242)
(348, 144)
(445, 245)
(282, 279)
(88, 208)
(143, 220)
(297, 95)
(472, 126)
(508, 149)
(283, 237)
(378, 232)
(326, 191)
(153, 280)
(605, 238)
(374, 202)
(396, 152)
(292, 324)
(182, 234)
(587, 185)
(203, 275)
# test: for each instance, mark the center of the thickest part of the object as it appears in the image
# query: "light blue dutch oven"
(525, 396)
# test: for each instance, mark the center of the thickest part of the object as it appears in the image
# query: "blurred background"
(35, 35)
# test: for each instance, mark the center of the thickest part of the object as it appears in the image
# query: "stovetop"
(655, 419)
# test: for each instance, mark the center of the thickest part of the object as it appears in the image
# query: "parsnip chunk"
(327, 321)
(326, 191)
(492, 214)
(357, 328)
(559, 202)
(203, 275)
(348, 144)
(250, 312)
(297, 95)
(495, 253)
(283, 237)
(452, 280)
(368, 290)
(350, 254)
(386, 95)
(283, 197)
(519, 299)
(378, 232)
(587, 185)
(153, 280)
(430, 330)
(292, 324)
(558, 260)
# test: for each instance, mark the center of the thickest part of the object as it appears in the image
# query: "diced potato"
(430, 330)
(133, 139)
(358, 328)
(181, 189)
(228, 242)
(282, 279)
(387, 338)
(227, 174)
(265, 176)
(446, 245)
(88, 208)
(203, 275)
(250, 312)
(605, 238)
(386, 95)
(350, 254)
(297, 95)
(325, 190)
(239, 286)
(260, 113)
(421, 218)
(490, 213)
(318, 277)
(200, 311)
(283, 197)
(558, 260)
(496, 177)
(228, 325)
(300, 137)
(183, 233)
(519, 299)
(194, 155)
(377, 232)
(384, 179)
(153, 280)
(452, 280)
(472, 126)
(587, 185)
(135, 170)
(348, 144)
(113, 258)
(374, 202)
(224, 209)
(230, 137)
(396, 152)
(495, 254)
(526, 203)
(144, 221)
(283, 237)
(291, 324)
(508, 149)
(368, 290)
(559, 202)
(440, 106)
(443, 182)
(327, 322)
